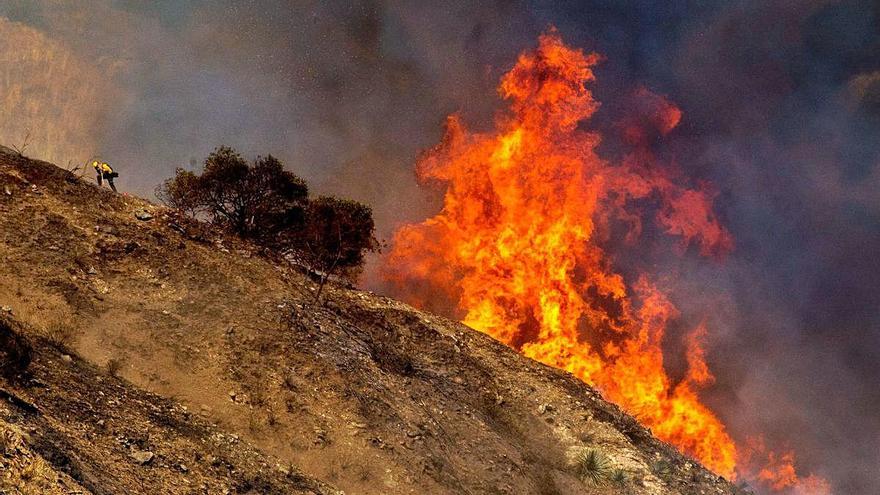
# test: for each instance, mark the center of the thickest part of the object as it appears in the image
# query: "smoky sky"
(781, 103)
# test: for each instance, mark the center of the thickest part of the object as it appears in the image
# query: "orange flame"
(517, 244)
(778, 473)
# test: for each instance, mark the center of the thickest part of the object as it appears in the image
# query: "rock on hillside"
(359, 391)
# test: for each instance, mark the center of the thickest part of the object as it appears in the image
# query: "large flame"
(518, 243)
(517, 240)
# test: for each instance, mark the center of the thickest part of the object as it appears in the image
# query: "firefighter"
(105, 172)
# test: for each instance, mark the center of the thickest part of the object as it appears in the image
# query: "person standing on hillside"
(105, 172)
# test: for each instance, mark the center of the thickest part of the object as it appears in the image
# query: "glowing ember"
(517, 244)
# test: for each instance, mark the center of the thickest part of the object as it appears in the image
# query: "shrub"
(181, 192)
(114, 366)
(15, 351)
(337, 235)
(59, 334)
(255, 201)
(262, 202)
(663, 469)
(593, 466)
(618, 477)
(25, 143)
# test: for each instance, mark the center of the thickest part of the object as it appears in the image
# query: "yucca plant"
(593, 466)
(618, 477)
(662, 468)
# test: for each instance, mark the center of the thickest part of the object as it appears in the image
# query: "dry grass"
(48, 321)
(59, 333)
(35, 478)
(114, 366)
(346, 468)
(10, 441)
(25, 473)
(348, 465)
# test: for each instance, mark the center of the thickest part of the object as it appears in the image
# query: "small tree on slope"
(337, 235)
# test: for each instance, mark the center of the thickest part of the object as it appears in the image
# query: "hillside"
(361, 392)
(71, 428)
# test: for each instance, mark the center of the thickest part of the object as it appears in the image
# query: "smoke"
(53, 101)
(780, 112)
(337, 90)
(784, 123)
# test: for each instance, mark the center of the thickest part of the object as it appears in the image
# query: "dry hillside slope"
(68, 427)
(362, 392)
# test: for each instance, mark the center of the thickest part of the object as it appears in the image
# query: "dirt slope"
(76, 428)
(360, 391)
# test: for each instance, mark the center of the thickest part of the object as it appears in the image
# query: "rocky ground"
(359, 391)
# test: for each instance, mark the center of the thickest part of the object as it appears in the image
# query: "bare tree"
(75, 170)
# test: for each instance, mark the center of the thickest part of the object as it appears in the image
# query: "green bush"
(593, 466)
(663, 469)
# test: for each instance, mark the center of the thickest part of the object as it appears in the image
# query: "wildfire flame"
(518, 242)
(777, 471)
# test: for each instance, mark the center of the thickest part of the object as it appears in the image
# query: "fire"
(518, 244)
(778, 473)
